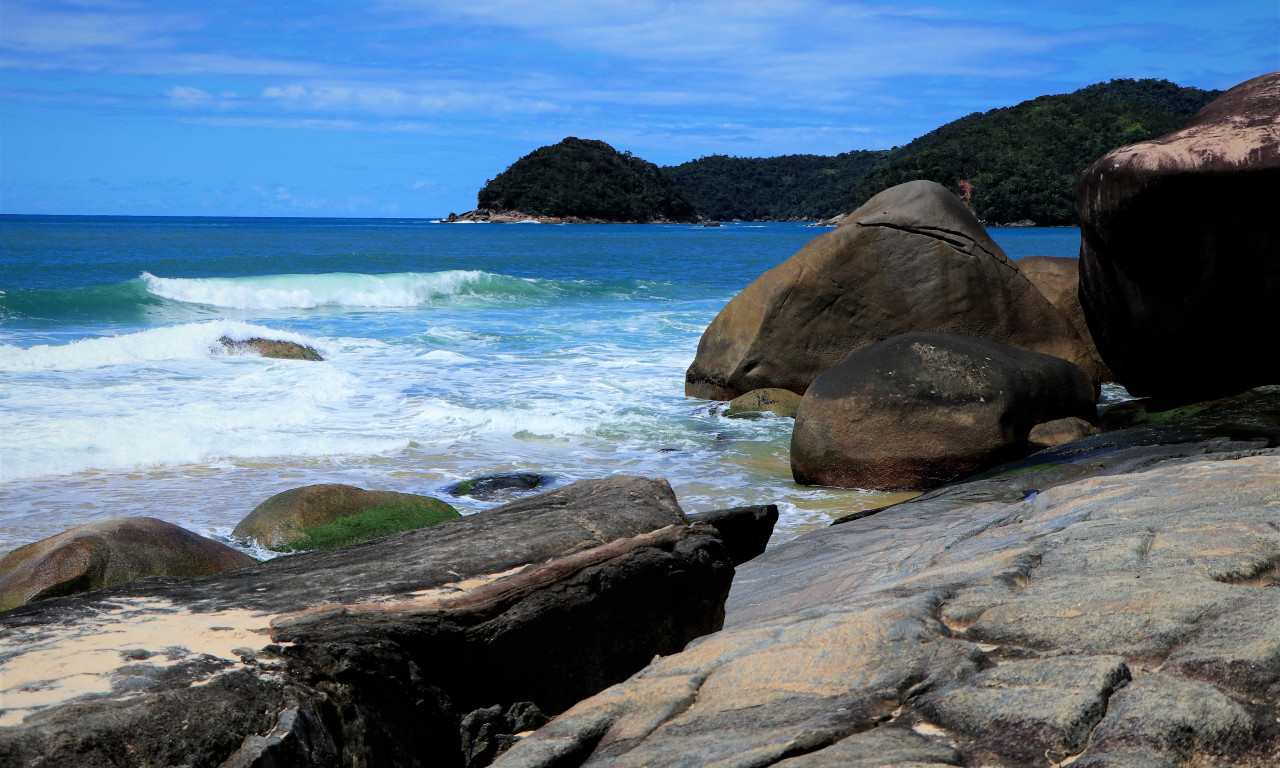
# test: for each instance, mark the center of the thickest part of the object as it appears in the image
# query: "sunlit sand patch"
(53, 664)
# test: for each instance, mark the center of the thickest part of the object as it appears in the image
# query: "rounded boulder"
(107, 553)
(333, 515)
(923, 409)
(1180, 252)
(912, 258)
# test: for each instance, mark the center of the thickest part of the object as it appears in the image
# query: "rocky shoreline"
(1073, 586)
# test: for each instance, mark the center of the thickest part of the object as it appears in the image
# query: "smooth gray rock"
(1112, 605)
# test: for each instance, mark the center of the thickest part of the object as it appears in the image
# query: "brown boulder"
(273, 348)
(913, 258)
(923, 409)
(779, 402)
(1180, 251)
(1058, 278)
(107, 553)
(1059, 431)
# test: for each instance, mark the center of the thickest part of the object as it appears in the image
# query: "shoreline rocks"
(332, 515)
(1111, 606)
(106, 553)
(912, 258)
(372, 654)
(1180, 251)
(924, 409)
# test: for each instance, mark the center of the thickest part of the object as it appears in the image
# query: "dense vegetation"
(1011, 164)
(772, 188)
(1020, 163)
(586, 179)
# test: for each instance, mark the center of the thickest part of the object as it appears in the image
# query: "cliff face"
(585, 179)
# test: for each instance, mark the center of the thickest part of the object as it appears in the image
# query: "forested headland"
(1013, 164)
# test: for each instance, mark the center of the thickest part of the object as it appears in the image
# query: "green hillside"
(772, 188)
(1012, 164)
(586, 179)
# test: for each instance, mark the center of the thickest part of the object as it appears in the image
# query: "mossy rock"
(780, 402)
(332, 515)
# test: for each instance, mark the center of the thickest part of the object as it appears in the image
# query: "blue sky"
(405, 107)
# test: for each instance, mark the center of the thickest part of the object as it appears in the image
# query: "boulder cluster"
(1075, 586)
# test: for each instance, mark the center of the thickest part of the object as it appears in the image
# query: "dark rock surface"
(912, 258)
(107, 553)
(491, 487)
(923, 409)
(369, 655)
(779, 402)
(274, 348)
(1180, 252)
(289, 520)
(745, 530)
(1058, 278)
(1113, 606)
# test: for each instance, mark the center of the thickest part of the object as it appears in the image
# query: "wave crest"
(337, 289)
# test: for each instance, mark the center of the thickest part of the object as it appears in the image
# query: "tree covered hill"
(586, 179)
(1011, 164)
(772, 188)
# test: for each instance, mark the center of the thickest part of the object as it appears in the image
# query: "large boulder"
(382, 653)
(1180, 251)
(1058, 278)
(1116, 608)
(331, 515)
(913, 258)
(923, 409)
(107, 553)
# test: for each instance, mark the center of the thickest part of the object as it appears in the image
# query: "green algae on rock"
(333, 515)
(780, 402)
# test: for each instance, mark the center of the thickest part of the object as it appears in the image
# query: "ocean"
(451, 351)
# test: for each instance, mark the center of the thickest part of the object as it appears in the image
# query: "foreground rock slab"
(368, 655)
(1180, 251)
(912, 258)
(1111, 620)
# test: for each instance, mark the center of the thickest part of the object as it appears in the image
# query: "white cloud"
(186, 96)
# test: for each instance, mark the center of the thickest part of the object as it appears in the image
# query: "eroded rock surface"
(368, 655)
(1180, 251)
(273, 348)
(912, 258)
(1108, 609)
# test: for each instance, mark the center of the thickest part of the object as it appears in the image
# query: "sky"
(404, 108)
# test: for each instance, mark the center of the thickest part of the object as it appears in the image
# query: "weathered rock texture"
(779, 402)
(274, 348)
(745, 530)
(1180, 251)
(1114, 607)
(288, 520)
(923, 409)
(912, 258)
(107, 553)
(371, 655)
(1058, 278)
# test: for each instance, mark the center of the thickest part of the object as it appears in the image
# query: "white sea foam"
(340, 289)
(191, 341)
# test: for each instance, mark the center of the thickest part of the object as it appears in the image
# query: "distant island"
(584, 180)
(1013, 165)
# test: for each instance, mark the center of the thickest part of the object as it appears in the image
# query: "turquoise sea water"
(451, 351)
